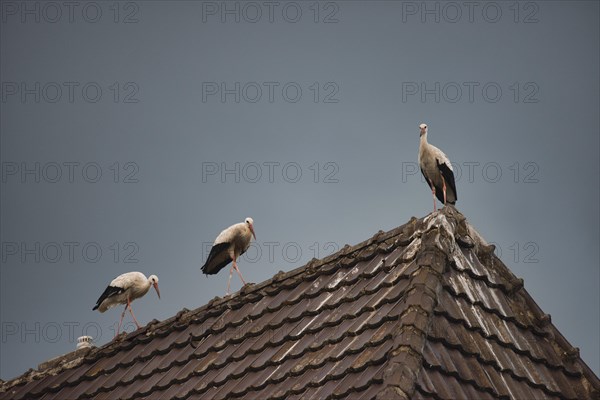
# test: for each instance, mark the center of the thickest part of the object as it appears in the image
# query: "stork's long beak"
(155, 284)
(422, 132)
(252, 230)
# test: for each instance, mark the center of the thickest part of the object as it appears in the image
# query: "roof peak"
(447, 218)
(404, 314)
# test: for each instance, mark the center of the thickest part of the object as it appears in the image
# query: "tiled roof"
(425, 311)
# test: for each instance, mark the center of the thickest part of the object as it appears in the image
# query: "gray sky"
(132, 133)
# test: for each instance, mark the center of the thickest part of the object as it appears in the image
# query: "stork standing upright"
(437, 170)
(228, 246)
(123, 290)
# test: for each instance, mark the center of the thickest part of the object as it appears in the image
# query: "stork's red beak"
(252, 230)
(155, 284)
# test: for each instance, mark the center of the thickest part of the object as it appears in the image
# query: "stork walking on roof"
(437, 170)
(123, 290)
(228, 246)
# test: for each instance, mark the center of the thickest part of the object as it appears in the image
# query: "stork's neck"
(423, 138)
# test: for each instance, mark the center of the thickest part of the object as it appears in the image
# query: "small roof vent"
(84, 342)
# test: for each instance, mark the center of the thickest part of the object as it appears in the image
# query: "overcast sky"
(132, 133)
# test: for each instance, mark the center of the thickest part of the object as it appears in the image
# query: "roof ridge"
(436, 242)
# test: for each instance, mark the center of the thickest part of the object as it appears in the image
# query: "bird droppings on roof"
(424, 311)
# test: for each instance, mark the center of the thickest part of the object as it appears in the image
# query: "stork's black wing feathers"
(449, 178)
(108, 292)
(209, 267)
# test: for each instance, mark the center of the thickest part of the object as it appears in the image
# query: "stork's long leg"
(131, 312)
(229, 280)
(444, 189)
(238, 271)
(433, 195)
(121, 321)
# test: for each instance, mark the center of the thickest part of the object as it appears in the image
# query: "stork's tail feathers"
(108, 292)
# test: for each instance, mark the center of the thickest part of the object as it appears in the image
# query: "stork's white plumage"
(123, 290)
(228, 246)
(437, 170)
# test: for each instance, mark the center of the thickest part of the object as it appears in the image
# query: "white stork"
(437, 170)
(228, 246)
(123, 290)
